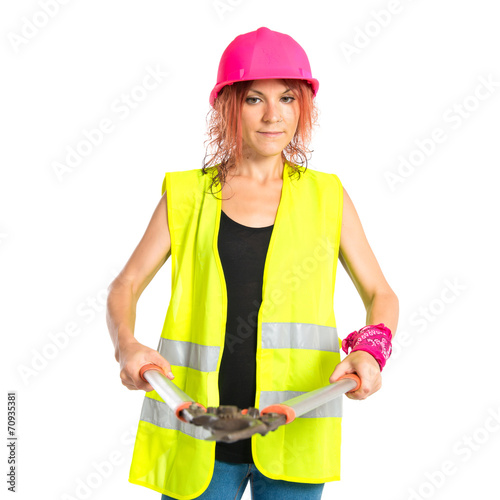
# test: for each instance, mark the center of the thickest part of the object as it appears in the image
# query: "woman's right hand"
(132, 357)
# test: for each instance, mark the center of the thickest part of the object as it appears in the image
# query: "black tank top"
(242, 251)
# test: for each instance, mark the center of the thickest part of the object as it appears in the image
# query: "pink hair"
(224, 128)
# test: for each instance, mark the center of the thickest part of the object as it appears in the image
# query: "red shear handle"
(150, 366)
(281, 409)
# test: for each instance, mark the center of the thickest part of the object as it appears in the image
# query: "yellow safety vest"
(297, 342)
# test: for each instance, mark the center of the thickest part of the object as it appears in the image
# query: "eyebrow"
(258, 92)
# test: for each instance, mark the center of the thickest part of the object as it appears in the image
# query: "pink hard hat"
(262, 54)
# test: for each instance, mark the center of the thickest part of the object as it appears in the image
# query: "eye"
(250, 98)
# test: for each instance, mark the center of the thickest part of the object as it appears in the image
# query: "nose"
(272, 112)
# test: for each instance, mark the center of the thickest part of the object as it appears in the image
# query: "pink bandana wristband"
(374, 339)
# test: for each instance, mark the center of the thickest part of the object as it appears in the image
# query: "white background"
(63, 239)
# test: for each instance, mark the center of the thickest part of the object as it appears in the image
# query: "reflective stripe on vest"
(274, 336)
(299, 336)
(190, 355)
(297, 341)
(158, 413)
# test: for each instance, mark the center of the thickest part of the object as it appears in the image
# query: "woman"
(250, 320)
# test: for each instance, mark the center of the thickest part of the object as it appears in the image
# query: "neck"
(262, 171)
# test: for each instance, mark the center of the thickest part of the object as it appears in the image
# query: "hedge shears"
(229, 423)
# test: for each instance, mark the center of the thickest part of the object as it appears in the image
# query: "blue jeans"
(229, 482)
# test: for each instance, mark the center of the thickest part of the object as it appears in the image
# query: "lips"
(271, 134)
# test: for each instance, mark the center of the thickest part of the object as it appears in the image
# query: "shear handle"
(299, 405)
(176, 399)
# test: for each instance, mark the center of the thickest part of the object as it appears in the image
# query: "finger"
(145, 387)
(138, 385)
(357, 395)
(165, 365)
(366, 389)
(160, 365)
(142, 385)
(341, 369)
(134, 381)
(130, 387)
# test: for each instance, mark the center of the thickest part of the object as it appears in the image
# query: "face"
(269, 106)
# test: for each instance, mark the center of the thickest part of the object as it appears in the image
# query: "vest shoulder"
(193, 177)
(192, 173)
(319, 176)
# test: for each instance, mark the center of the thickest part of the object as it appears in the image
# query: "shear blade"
(231, 436)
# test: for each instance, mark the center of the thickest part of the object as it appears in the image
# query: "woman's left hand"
(367, 369)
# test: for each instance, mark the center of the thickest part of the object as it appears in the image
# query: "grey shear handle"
(299, 405)
(176, 399)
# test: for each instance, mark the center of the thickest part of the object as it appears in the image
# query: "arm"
(380, 302)
(149, 256)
